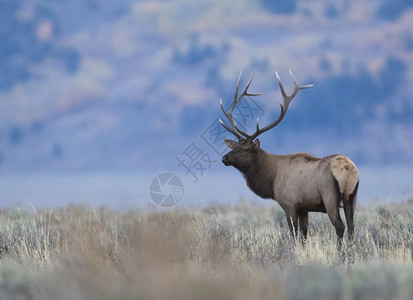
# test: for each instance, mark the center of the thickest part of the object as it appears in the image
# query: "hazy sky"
(91, 85)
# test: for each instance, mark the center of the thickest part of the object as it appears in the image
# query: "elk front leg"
(292, 222)
(303, 223)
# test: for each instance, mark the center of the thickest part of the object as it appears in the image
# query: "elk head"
(244, 152)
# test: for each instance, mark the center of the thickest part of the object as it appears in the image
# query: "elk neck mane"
(260, 175)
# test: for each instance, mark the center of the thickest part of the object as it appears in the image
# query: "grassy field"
(218, 252)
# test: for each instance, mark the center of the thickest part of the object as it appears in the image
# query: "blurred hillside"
(93, 85)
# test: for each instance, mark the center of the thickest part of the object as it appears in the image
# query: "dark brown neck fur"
(260, 176)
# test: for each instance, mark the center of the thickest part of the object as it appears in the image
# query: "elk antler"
(284, 107)
(234, 130)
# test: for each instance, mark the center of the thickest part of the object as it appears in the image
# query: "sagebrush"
(218, 252)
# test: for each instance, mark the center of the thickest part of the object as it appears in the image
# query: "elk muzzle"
(226, 160)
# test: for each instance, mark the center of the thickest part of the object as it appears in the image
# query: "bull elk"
(300, 183)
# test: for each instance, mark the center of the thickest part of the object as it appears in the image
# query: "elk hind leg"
(338, 224)
(349, 208)
(331, 200)
(349, 212)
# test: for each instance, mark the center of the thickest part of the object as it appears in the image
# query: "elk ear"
(231, 144)
(256, 144)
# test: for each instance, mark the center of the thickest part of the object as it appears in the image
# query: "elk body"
(300, 183)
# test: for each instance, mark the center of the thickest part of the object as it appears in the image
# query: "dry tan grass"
(239, 252)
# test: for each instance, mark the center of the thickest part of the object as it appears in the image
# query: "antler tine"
(234, 132)
(302, 87)
(237, 99)
(236, 93)
(284, 105)
(231, 121)
(240, 131)
(223, 110)
(245, 92)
